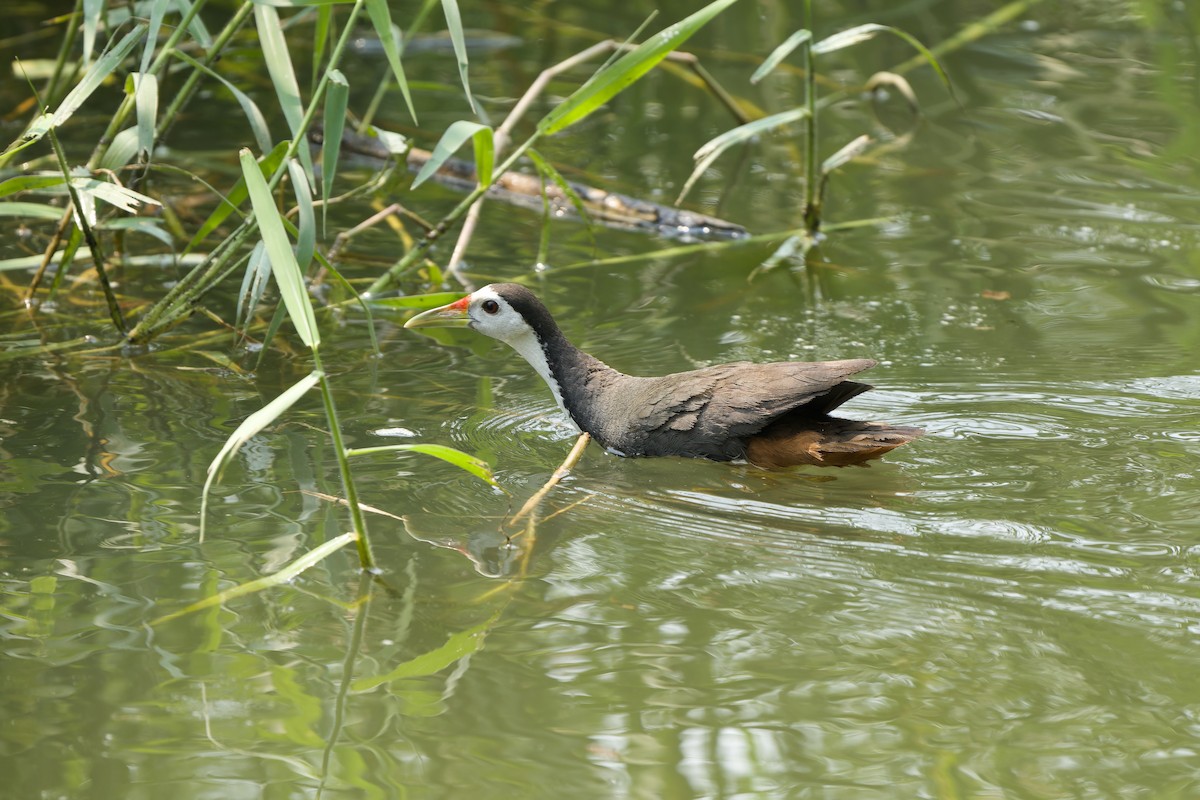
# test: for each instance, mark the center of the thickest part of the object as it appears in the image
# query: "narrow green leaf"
(848, 37)
(485, 155)
(254, 283)
(322, 37)
(381, 19)
(861, 33)
(284, 575)
(711, 150)
(547, 169)
(122, 197)
(287, 273)
(119, 196)
(197, 28)
(849, 151)
(237, 195)
(37, 211)
(627, 69)
(26, 183)
(303, 3)
(158, 9)
(457, 647)
(124, 148)
(469, 463)
(258, 123)
(145, 86)
(161, 261)
(454, 26)
(249, 428)
(96, 75)
(358, 297)
(279, 64)
(283, 77)
(453, 139)
(780, 53)
(306, 229)
(92, 9)
(144, 225)
(413, 301)
(395, 143)
(337, 97)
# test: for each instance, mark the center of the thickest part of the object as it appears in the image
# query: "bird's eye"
(491, 306)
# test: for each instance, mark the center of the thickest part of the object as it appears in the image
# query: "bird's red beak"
(452, 315)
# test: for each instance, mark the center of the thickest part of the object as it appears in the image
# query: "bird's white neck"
(531, 350)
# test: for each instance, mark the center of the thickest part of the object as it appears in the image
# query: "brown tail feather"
(828, 442)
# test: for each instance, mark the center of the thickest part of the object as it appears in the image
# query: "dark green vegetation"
(1005, 608)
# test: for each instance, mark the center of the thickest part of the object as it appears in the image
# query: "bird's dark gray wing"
(708, 412)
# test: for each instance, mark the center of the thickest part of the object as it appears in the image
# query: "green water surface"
(1007, 608)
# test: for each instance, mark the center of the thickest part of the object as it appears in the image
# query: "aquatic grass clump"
(816, 175)
(272, 205)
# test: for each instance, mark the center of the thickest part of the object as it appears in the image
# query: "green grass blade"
(38, 211)
(381, 18)
(303, 3)
(469, 463)
(237, 195)
(485, 155)
(358, 297)
(254, 116)
(249, 428)
(780, 53)
(26, 183)
(306, 228)
(158, 10)
(627, 69)
(145, 95)
(144, 225)
(279, 64)
(121, 197)
(849, 151)
(337, 97)
(92, 9)
(287, 273)
(123, 149)
(861, 33)
(96, 75)
(454, 26)
(283, 77)
(322, 38)
(451, 140)
(284, 575)
(711, 150)
(547, 169)
(848, 38)
(419, 302)
(254, 283)
(104, 66)
(196, 27)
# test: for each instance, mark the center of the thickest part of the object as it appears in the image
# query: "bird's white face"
(487, 312)
(491, 315)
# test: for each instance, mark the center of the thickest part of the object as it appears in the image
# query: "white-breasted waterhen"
(772, 415)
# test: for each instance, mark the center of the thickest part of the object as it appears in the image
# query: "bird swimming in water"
(772, 415)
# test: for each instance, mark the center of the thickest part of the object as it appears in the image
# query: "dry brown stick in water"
(500, 138)
(563, 470)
